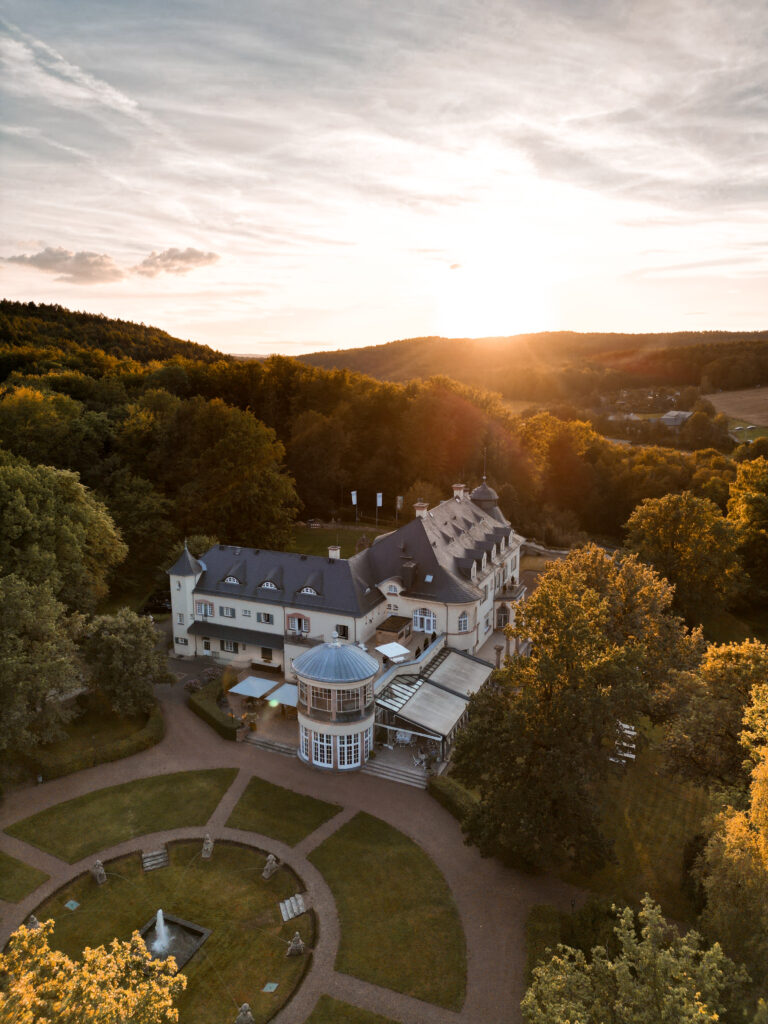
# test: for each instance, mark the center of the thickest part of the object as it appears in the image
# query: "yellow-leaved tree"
(111, 984)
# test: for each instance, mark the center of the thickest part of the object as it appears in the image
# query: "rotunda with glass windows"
(335, 705)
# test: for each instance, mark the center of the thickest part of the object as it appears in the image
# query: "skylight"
(428, 578)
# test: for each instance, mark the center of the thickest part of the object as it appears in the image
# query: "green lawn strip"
(280, 813)
(307, 541)
(248, 941)
(650, 817)
(331, 1011)
(17, 879)
(109, 816)
(399, 925)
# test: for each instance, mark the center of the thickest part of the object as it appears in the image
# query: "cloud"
(174, 261)
(99, 268)
(73, 267)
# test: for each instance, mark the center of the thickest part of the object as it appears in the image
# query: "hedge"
(52, 766)
(204, 705)
(457, 800)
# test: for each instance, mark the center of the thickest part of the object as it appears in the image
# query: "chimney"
(420, 509)
(458, 490)
(334, 551)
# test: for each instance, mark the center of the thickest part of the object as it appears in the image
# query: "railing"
(304, 639)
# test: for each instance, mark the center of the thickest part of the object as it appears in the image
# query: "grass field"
(98, 727)
(331, 1011)
(316, 542)
(278, 812)
(399, 925)
(17, 879)
(747, 406)
(650, 817)
(226, 894)
(109, 816)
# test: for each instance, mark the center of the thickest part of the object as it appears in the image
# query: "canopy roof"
(253, 686)
(393, 650)
(287, 694)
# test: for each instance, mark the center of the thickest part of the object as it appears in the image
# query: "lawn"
(399, 925)
(331, 1011)
(226, 894)
(316, 542)
(98, 727)
(650, 817)
(17, 879)
(280, 813)
(109, 816)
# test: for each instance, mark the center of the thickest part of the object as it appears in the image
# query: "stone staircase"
(293, 907)
(153, 859)
(394, 773)
(273, 746)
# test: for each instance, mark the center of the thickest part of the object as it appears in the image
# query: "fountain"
(166, 935)
(162, 938)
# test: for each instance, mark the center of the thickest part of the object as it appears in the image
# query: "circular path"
(493, 901)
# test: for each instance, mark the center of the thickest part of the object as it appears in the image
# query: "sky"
(290, 175)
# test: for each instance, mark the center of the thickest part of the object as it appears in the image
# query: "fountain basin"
(184, 939)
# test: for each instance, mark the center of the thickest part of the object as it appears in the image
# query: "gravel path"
(493, 901)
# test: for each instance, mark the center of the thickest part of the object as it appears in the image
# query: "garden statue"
(245, 1016)
(207, 847)
(296, 948)
(33, 924)
(98, 872)
(270, 867)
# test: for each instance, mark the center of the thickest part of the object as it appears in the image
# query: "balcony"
(304, 639)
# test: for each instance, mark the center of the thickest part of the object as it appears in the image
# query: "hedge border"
(204, 705)
(53, 767)
(451, 795)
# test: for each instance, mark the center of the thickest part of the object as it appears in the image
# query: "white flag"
(354, 497)
(379, 497)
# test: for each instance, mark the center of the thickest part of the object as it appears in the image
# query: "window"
(266, 654)
(349, 751)
(424, 620)
(487, 622)
(485, 560)
(485, 592)
(304, 733)
(268, 585)
(266, 617)
(180, 618)
(232, 579)
(368, 693)
(227, 613)
(246, 612)
(367, 738)
(392, 589)
(463, 622)
(204, 607)
(309, 590)
(178, 584)
(298, 624)
(428, 578)
(321, 698)
(207, 645)
(181, 640)
(302, 692)
(230, 646)
(322, 748)
(343, 631)
(348, 700)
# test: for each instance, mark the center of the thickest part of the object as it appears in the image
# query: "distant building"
(675, 419)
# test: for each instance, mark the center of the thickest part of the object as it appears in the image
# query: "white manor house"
(424, 598)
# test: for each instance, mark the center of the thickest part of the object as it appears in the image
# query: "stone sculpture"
(296, 948)
(245, 1016)
(270, 867)
(98, 872)
(207, 847)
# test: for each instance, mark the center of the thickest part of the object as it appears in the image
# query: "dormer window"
(232, 579)
(309, 590)
(267, 585)
(493, 553)
(392, 588)
(485, 560)
(473, 573)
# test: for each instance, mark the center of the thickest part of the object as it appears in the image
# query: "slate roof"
(432, 555)
(338, 588)
(186, 565)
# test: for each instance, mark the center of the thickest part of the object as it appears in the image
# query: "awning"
(434, 710)
(393, 650)
(461, 674)
(287, 694)
(274, 641)
(253, 686)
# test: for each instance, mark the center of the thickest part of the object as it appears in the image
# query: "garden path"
(493, 901)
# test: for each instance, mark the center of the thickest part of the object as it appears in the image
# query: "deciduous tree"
(110, 985)
(748, 511)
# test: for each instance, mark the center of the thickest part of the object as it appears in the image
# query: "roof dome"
(484, 493)
(335, 663)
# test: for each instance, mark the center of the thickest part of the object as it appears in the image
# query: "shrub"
(53, 765)
(457, 800)
(204, 705)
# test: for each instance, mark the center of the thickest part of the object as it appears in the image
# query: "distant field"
(750, 405)
(316, 542)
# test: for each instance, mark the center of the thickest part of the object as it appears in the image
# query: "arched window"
(309, 590)
(463, 622)
(232, 579)
(268, 585)
(424, 620)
